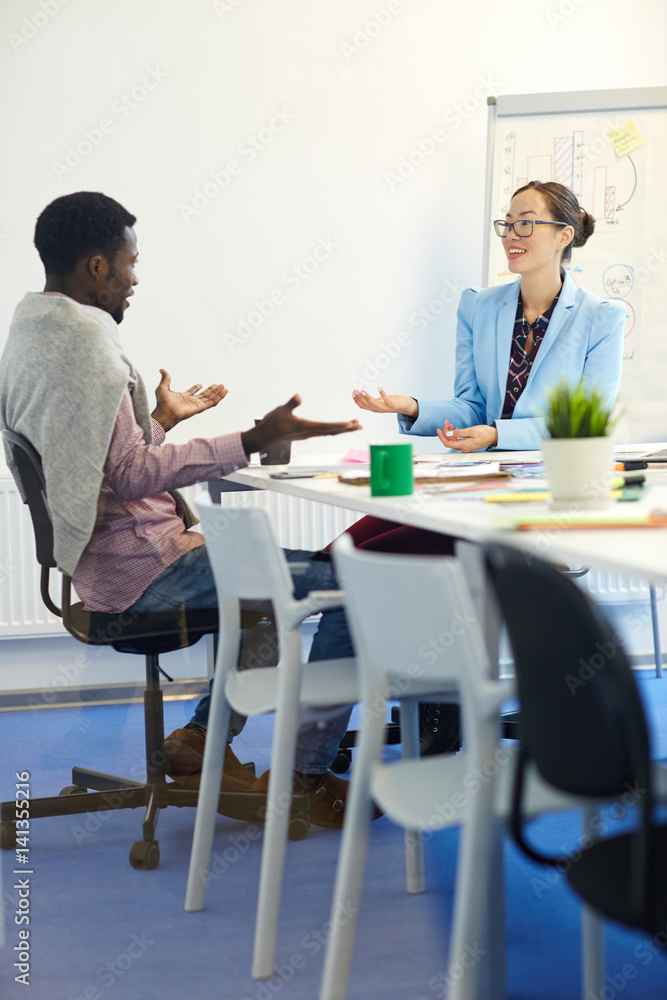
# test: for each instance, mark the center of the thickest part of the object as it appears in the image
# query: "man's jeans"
(189, 583)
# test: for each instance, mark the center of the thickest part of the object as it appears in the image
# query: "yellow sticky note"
(626, 138)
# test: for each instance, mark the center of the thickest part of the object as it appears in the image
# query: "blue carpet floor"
(99, 928)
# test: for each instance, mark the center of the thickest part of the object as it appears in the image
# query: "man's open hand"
(281, 425)
(172, 407)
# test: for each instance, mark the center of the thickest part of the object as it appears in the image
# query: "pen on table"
(630, 465)
(634, 479)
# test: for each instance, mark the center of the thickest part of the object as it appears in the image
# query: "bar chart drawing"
(606, 184)
(564, 159)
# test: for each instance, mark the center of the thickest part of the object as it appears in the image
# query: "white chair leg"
(414, 845)
(351, 863)
(493, 965)
(474, 880)
(277, 815)
(592, 928)
(212, 766)
(657, 649)
(592, 943)
(209, 792)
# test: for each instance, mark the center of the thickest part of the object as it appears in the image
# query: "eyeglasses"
(522, 227)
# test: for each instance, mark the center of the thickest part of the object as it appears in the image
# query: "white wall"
(353, 86)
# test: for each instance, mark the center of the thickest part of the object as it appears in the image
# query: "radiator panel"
(22, 611)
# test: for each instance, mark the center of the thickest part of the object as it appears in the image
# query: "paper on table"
(474, 470)
(361, 455)
(439, 474)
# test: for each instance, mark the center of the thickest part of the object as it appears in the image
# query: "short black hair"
(80, 224)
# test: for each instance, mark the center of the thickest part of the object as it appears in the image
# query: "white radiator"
(300, 524)
(22, 611)
(610, 588)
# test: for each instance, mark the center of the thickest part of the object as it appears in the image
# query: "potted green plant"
(579, 451)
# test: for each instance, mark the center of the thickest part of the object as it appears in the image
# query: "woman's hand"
(468, 438)
(384, 403)
(172, 407)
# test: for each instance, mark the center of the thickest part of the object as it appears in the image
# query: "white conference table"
(639, 552)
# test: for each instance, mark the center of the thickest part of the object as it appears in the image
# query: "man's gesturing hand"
(172, 407)
(281, 425)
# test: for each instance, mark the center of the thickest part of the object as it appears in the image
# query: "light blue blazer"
(584, 338)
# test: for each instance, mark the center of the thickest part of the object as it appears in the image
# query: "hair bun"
(587, 229)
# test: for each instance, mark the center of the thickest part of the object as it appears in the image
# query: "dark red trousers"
(378, 535)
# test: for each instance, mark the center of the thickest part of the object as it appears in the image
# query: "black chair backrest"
(157, 632)
(582, 719)
(32, 484)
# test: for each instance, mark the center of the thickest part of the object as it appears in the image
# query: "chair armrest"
(296, 568)
(323, 599)
(314, 602)
(494, 694)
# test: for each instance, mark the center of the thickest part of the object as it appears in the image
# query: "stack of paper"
(439, 472)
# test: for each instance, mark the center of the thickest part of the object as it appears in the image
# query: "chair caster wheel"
(145, 854)
(298, 828)
(73, 790)
(342, 761)
(7, 836)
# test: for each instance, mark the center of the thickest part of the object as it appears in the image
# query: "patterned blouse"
(520, 362)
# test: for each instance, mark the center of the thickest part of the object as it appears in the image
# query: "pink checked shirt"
(138, 533)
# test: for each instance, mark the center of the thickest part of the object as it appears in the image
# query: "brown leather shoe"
(184, 749)
(327, 800)
(185, 754)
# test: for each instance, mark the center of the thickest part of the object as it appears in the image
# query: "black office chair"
(583, 727)
(147, 635)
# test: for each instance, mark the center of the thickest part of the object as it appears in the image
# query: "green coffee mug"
(391, 470)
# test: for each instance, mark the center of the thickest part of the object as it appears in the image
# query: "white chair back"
(247, 560)
(413, 621)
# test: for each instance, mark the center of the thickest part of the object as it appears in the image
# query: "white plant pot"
(579, 471)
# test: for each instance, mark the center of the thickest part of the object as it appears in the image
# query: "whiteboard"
(610, 147)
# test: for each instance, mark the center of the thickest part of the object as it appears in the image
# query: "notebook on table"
(654, 456)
